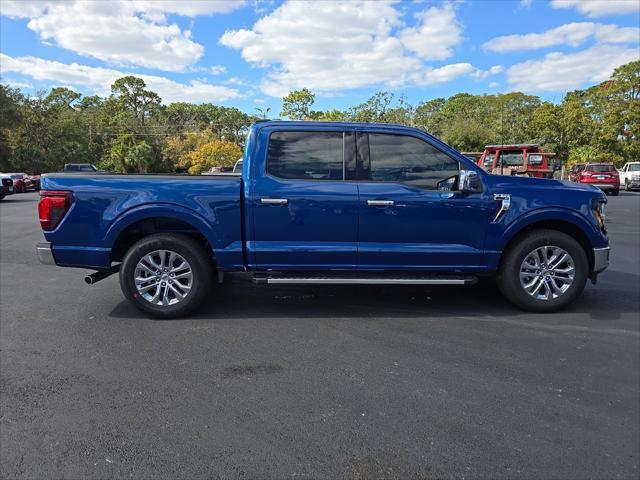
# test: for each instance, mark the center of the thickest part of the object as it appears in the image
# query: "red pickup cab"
(524, 159)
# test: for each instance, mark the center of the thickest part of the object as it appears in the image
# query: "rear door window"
(306, 155)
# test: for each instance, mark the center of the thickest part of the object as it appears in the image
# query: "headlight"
(597, 207)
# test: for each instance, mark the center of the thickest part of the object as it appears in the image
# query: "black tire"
(508, 278)
(626, 185)
(615, 192)
(199, 261)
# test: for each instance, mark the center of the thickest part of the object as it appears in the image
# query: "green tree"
(373, 110)
(62, 97)
(178, 148)
(429, 117)
(214, 154)
(139, 157)
(11, 101)
(131, 93)
(297, 105)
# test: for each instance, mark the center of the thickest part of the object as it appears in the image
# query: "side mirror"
(469, 181)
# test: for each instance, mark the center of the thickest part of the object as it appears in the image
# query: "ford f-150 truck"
(322, 203)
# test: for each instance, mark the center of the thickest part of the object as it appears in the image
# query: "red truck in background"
(524, 159)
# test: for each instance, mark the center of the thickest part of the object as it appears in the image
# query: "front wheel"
(626, 185)
(166, 275)
(544, 271)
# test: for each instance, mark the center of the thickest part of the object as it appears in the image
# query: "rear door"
(304, 200)
(412, 215)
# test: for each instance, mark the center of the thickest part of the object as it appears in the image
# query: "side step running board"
(395, 280)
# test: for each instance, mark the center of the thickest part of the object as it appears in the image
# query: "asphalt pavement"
(316, 382)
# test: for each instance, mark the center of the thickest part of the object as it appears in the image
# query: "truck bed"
(106, 206)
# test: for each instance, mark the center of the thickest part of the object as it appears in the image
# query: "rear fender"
(228, 254)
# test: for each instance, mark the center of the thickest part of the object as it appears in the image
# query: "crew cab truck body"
(324, 202)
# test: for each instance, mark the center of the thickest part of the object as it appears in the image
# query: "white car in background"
(630, 175)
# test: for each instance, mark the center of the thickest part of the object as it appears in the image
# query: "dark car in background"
(6, 185)
(79, 167)
(21, 182)
(35, 182)
(601, 175)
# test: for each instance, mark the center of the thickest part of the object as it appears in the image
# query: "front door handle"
(380, 203)
(274, 201)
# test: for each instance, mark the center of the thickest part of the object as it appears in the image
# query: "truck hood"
(514, 182)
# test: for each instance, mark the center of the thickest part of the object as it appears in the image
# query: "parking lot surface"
(307, 382)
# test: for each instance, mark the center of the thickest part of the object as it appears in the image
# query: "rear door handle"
(274, 201)
(380, 203)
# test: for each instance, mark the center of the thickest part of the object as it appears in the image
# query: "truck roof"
(294, 123)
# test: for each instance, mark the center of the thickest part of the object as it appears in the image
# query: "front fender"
(500, 234)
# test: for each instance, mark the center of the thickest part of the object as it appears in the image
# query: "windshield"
(512, 157)
(488, 159)
(634, 167)
(534, 159)
(600, 168)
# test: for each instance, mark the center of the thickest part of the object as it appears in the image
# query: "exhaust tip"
(88, 280)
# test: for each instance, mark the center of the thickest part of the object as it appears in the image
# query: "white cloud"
(99, 80)
(433, 76)
(439, 31)
(23, 8)
(344, 45)
(558, 71)
(599, 8)
(217, 69)
(157, 9)
(525, 3)
(482, 74)
(119, 32)
(16, 83)
(572, 34)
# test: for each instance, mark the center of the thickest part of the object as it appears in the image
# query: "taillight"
(53, 206)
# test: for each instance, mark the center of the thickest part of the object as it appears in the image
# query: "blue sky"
(248, 54)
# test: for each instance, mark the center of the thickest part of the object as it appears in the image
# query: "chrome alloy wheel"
(163, 277)
(547, 272)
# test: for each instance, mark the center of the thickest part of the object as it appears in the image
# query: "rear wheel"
(626, 185)
(544, 271)
(166, 275)
(615, 192)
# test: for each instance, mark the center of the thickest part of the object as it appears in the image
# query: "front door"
(412, 216)
(304, 202)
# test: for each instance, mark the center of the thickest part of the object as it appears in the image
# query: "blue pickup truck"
(328, 203)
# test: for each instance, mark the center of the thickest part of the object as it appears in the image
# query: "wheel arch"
(573, 229)
(144, 221)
